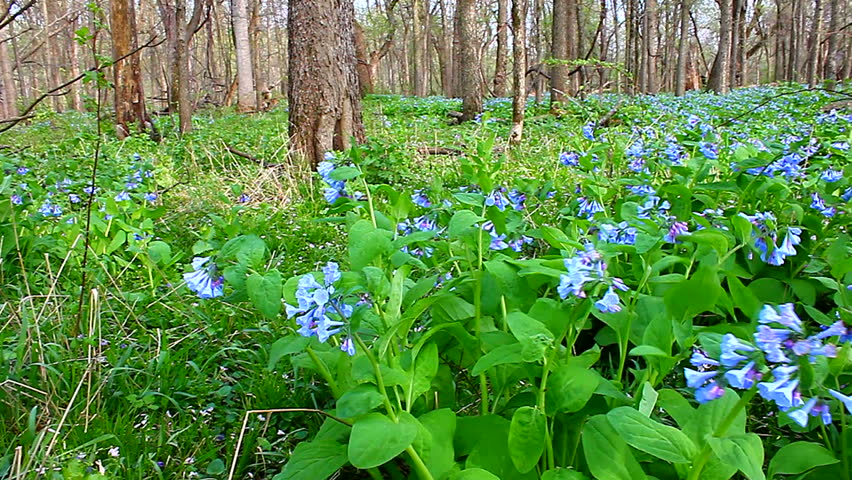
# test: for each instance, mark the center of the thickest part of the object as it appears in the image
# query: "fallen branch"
(251, 157)
(439, 151)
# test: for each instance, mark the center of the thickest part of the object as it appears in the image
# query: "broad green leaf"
(474, 474)
(441, 424)
(527, 434)
(534, 337)
(799, 457)
(676, 406)
(246, 249)
(366, 243)
(696, 295)
(285, 346)
(359, 401)
(642, 433)
(710, 415)
(461, 221)
(563, 474)
(376, 439)
(315, 460)
(159, 252)
(649, 399)
(501, 355)
(216, 467)
(744, 298)
(344, 173)
(264, 291)
(742, 451)
(569, 388)
(425, 368)
(647, 351)
(607, 455)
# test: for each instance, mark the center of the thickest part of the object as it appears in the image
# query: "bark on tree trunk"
(652, 15)
(559, 52)
(8, 94)
(246, 99)
(718, 81)
(680, 82)
(420, 70)
(470, 83)
(502, 48)
(814, 44)
(519, 71)
(325, 105)
(181, 83)
(834, 42)
(129, 96)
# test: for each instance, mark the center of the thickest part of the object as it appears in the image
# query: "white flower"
(114, 452)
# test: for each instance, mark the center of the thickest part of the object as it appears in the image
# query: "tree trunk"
(718, 81)
(8, 94)
(538, 41)
(325, 105)
(682, 53)
(181, 84)
(419, 46)
(246, 99)
(129, 96)
(519, 70)
(559, 53)
(471, 90)
(733, 54)
(652, 16)
(834, 42)
(502, 48)
(814, 44)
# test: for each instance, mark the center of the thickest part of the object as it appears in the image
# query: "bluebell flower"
(325, 168)
(636, 149)
(609, 302)
(17, 200)
(588, 208)
(122, 196)
(517, 198)
(621, 234)
(642, 190)
(693, 120)
(840, 145)
(348, 346)
(497, 199)
(836, 329)
(88, 190)
(744, 377)
(731, 346)
(517, 244)
(243, 198)
(844, 399)
(697, 379)
(22, 170)
(498, 241)
(638, 165)
(709, 392)
(569, 159)
(831, 176)
(847, 194)
(677, 229)
(151, 196)
(801, 416)
(203, 279)
(653, 206)
(784, 315)
(784, 392)
(332, 194)
(675, 154)
(818, 204)
(50, 210)
(73, 198)
(319, 312)
(420, 199)
(700, 359)
(589, 131)
(709, 150)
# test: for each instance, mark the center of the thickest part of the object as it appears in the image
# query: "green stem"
(548, 441)
(380, 381)
(374, 473)
(704, 455)
(370, 202)
(324, 372)
(477, 305)
(419, 466)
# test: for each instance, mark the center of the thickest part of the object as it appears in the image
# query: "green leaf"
(344, 173)
(159, 252)
(607, 455)
(461, 221)
(474, 474)
(117, 241)
(744, 298)
(676, 406)
(569, 388)
(649, 399)
(563, 474)
(264, 291)
(742, 451)
(366, 242)
(642, 433)
(533, 335)
(501, 355)
(216, 467)
(527, 437)
(285, 346)
(647, 351)
(694, 296)
(425, 368)
(799, 457)
(441, 424)
(359, 401)
(376, 439)
(710, 415)
(315, 460)
(246, 249)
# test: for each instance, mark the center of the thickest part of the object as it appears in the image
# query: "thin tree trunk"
(502, 48)
(559, 52)
(814, 47)
(246, 99)
(680, 82)
(129, 96)
(538, 39)
(181, 83)
(652, 15)
(718, 81)
(8, 95)
(519, 70)
(470, 82)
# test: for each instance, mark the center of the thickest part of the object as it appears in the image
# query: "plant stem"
(335, 390)
(704, 454)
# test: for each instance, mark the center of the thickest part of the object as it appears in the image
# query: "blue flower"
(653, 206)
(696, 379)
(22, 170)
(784, 392)
(332, 194)
(709, 150)
(517, 198)
(709, 392)
(784, 315)
(700, 359)
(243, 198)
(588, 208)
(348, 346)
(498, 241)
(621, 234)
(800, 416)
(609, 302)
(847, 194)
(151, 196)
(642, 190)
(420, 199)
(677, 229)
(73, 198)
(845, 400)
(831, 176)
(817, 203)
(742, 378)
(730, 346)
(50, 210)
(319, 312)
(203, 280)
(569, 159)
(122, 196)
(589, 131)
(497, 199)
(17, 200)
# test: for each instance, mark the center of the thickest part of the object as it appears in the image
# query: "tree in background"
(325, 102)
(129, 94)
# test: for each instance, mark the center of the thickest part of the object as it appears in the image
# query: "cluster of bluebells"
(585, 268)
(818, 204)
(204, 280)
(771, 364)
(657, 210)
(765, 238)
(334, 188)
(498, 241)
(321, 311)
(621, 233)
